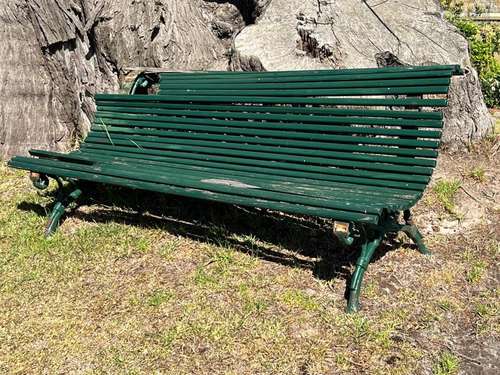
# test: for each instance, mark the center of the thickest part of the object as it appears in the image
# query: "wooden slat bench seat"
(357, 146)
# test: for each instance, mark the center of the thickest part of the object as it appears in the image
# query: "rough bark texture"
(297, 34)
(58, 53)
(61, 52)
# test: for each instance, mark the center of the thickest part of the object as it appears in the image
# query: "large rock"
(297, 34)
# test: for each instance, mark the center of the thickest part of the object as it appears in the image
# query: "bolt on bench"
(352, 145)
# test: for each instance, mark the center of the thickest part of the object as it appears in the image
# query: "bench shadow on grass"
(292, 241)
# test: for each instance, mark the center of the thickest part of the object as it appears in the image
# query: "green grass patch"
(298, 299)
(476, 272)
(478, 174)
(159, 297)
(447, 364)
(445, 192)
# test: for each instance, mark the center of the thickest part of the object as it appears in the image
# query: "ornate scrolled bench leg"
(63, 200)
(58, 211)
(367, 250)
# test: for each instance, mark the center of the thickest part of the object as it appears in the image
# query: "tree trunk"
(59, 53)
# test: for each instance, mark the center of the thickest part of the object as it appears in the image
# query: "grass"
(189, 287)
(447, 364)
(445, 191)
(478, 174)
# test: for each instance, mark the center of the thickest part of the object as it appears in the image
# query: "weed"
(487, 310)
(478, 174)
(447, 364)
(475, 273)
(446, 305)
(445, 192)
(298, 299)
(202, 277)
(159, 297)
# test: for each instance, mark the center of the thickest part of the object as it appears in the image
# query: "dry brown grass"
(188, 287)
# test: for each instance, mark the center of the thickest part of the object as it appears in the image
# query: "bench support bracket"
(367, 250)
(62, 202)
(371, 236)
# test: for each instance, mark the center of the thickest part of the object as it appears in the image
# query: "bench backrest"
(369, 127)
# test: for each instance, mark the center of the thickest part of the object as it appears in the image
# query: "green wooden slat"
(455, 69)
(269, 184)
(226, 198)
(359, 191)
(181, 184)
(154, 155)
(343, 192)
(267, 174)
(244, 127)
(346, 197)
(214, 113)
(355, 173)
(276, 133)
(315, 145)
(324, 111)
(207, 78)
(278, 100)
(138, 134)
(164, 144)
(227, 85)
(413, 90)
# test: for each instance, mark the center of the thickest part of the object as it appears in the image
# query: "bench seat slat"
(397, 102)
(346, 196)
(271, 117)
(209, 187)
(356, 191)
(200, 194)
(253, 144)
(343, 175)
(355, 149)
(231, 169)
(211, 168)
(232, 126)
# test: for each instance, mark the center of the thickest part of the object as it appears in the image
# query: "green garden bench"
(356, 146)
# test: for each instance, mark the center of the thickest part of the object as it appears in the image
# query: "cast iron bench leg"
(58, 210)
(415, 235)
(411, 231)
(367, 250)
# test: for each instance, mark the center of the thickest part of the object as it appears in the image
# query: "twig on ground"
(469, 194)
(463, 356)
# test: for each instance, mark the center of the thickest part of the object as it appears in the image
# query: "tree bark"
(58, 53)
